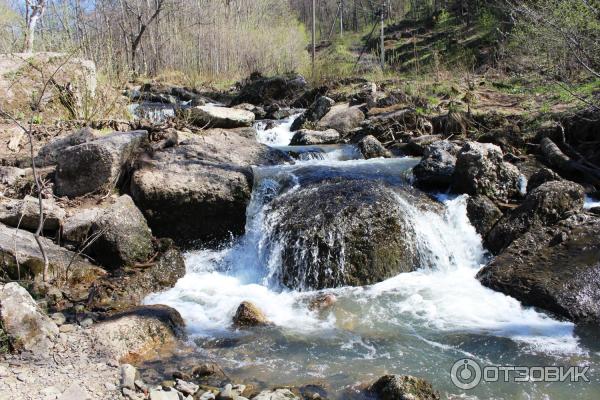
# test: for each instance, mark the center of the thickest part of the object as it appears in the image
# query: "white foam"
(590, 203)
(444, 296)
(279, 135)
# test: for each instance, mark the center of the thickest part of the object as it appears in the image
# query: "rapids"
(416, 323)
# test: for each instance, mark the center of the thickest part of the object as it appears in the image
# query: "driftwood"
(565, 165)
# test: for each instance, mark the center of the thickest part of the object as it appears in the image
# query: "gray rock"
(483, 214)
(249, 315)
(360, 225)
(20, 255)
(96, 166)
(277, 394)
(308, 137)
(123, 235)
(219, 117)
(207, 179)
(50, 152)
(10, 175)
(314, 113)
(544, 206)
(25, 324)
(128, 376)
(67, 328)
(75, 392)
(59, 318)
(157, 394)
(481, 170)
(207, 396)
(343, 118)
(396, 387)
(268, 90)
(436, 168)
(132, 395)
(77, 227)
(370, 147)
(556, 268)
(86, 323)
(187, 388)
(25, 213)
(139, 330)
(541, 176)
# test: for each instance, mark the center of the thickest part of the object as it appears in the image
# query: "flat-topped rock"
(220, 117)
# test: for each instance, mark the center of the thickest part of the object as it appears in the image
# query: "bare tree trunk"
(33, 13)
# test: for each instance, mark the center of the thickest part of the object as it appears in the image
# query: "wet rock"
(210, 374)
(436, 168)
(207, 179)
(260, 90)
(360, 225)
(21, 258)
(249, 315)
(314, 113)
(544, 206)
(555, 268)
(480, 169)
(396, 387)
(322, 302)
(49, 153)
(127, 288)
(96, 166)
(139, 332)
(25, 213)
(417, 146)
(483, 214)
(277, 394)
(308, 137)
(219, 117)
(343, 118)
(541, 176)
(372, 148)
(25, 324)
(123, 236)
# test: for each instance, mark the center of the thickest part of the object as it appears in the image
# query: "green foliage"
(5, 343)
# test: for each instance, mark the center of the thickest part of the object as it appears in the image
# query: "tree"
(34, 10)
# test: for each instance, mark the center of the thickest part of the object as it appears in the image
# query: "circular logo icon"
(465, 374)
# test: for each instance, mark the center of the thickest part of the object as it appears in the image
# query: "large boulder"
(219, 117)
(436, 168)
(556, 268)
(123, 237)
(128, 287)
(97, 166)
(25, 213)
(49, 153)
(343, 233)
(372, 148)
(22, 81)
(260, 90)
(483, 214)
(342, 117)
(481, 170)
(540, 177)
(22, 320)
(307, 137)
(544, 206)
(140, 332)
(200, 189)
(397, 387)
(21, 258)
(314, 113)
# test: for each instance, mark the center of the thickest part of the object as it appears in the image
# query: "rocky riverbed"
(258, 215)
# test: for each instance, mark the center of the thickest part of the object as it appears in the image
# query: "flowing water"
(417, 323)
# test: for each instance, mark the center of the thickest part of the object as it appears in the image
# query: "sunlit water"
(416, 323)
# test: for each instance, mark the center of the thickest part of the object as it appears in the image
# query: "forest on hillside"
(229, 39)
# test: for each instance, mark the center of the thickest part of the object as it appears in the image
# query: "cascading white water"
(417, 323)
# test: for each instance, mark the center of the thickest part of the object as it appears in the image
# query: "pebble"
(59, 318)
(66, 328)
(156, 394)
(86, 323)
(187, 388)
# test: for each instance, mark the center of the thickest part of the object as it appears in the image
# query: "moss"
(6, 344)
